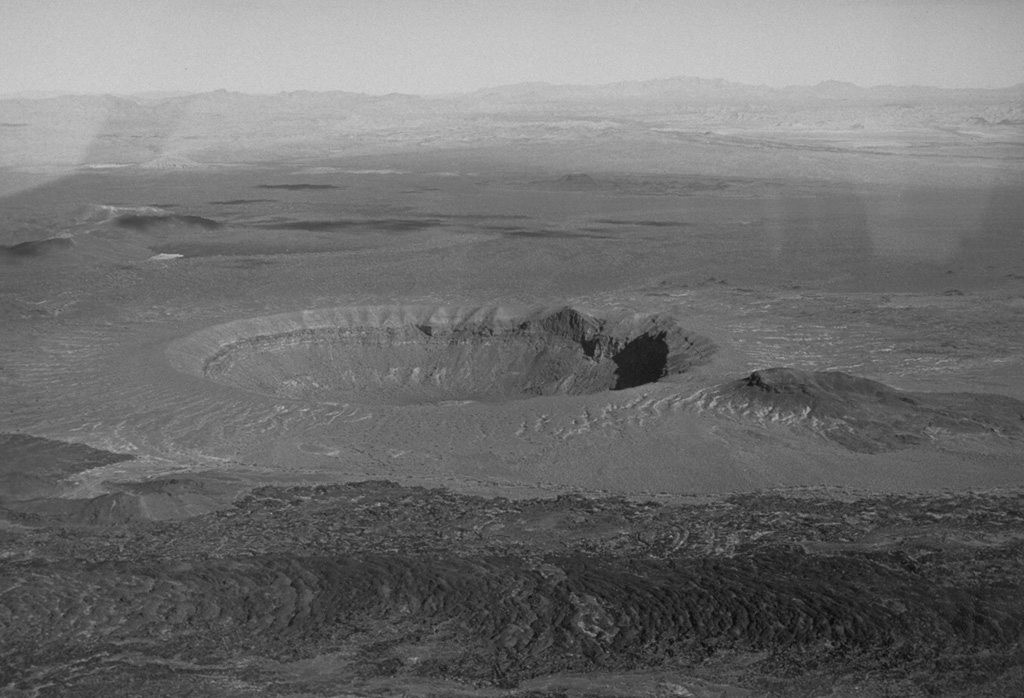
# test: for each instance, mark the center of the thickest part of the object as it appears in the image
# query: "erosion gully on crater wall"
(403, 356)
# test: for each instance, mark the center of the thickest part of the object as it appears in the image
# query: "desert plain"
(669, 388)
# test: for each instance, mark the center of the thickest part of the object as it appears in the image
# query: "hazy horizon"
(448, 47)
(170, 94)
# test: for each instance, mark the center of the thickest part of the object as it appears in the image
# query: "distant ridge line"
(679, 83)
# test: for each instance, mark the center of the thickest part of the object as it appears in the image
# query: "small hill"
(171, 162)
(578, 182)
(863, 415)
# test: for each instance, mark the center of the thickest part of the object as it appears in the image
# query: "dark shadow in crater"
(643, 360)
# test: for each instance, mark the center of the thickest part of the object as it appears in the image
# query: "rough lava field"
(677, 388)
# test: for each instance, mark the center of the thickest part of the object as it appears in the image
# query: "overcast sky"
(437, 46)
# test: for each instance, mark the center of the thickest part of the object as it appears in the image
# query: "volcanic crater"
(409, 356)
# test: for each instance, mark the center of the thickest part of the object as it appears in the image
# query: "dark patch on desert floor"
(298, 187)
(32, 467)
(481, 217)
(34, 248)
(583, 233)
(236, 202)
(638, 185)
(228, 249)
(246, 263)
(643, 223)
(146, 221)
(390, 224)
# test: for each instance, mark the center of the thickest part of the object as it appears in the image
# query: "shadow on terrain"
(828, 232)
(512, 232)
(143, 223)
(999, 242)
(34, 248)
(32, 467)
(643, 360)
(297, 187)
(644, 224)
(390, 224)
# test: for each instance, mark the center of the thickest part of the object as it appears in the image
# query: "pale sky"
(439, 46)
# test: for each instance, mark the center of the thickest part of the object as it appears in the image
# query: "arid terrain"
(676, 388)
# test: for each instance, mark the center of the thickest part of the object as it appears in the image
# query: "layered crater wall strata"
(402, 355)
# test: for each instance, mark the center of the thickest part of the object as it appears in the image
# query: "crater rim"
(414, 355)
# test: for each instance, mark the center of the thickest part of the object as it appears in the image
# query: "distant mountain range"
(699, 87)
(660, 89)
(170, 130)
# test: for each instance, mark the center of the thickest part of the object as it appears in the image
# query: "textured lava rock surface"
(316, 590)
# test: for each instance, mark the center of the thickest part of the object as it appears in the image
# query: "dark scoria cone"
(865, 415)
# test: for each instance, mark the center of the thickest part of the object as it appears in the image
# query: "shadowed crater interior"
(399, 355)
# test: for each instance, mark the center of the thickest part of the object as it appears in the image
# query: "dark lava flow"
(898, 595)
